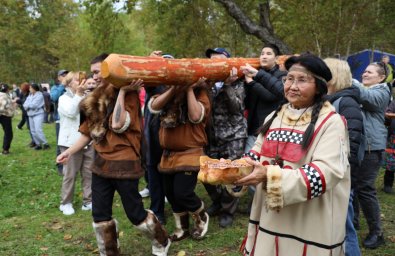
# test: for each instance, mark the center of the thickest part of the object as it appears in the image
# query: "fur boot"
(201, 219)
(152, 228)
(182, 226)
(107, 237)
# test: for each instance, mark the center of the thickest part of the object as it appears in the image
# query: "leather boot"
(107, 237)
(152, 228)
(182, 226)
(201, 219)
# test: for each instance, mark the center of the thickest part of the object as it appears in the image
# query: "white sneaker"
(87, 207)
(67, 209)
(144, 192)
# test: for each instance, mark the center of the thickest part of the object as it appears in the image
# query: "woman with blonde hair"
(345, 97)
(81, 161)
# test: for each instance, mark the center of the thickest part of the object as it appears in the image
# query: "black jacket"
(263, 95)
(349, 107)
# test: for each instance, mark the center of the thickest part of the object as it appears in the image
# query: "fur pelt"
(97, 108)
(274, 199)
(290, 118)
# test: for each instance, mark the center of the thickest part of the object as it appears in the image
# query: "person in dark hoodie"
(264, 90)
(342, 93)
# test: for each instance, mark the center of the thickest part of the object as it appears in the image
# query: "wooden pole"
(120, 70)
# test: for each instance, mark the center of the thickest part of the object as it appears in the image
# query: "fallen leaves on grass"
(201, 253)
(391, 238)
(181, 253)
(67, 237)
(56, 226)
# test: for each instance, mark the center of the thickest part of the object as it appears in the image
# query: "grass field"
(31, 223)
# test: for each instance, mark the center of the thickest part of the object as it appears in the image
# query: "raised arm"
(120, 117)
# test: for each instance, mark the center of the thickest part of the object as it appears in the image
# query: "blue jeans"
(352, 247)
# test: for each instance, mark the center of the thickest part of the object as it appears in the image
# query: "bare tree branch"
(264, 16)
(263, 31)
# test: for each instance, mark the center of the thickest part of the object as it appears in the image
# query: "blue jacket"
(56, 91)
(374, 100)
(34, 104)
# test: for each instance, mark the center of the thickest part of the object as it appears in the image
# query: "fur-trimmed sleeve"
(274, 196)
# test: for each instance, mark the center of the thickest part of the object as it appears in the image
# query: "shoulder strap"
(336, 104)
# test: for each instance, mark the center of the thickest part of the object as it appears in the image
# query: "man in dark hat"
(217, 51)
(227, 134)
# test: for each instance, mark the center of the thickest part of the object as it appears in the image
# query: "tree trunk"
(263, 30)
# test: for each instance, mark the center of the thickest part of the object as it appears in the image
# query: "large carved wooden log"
(122, 69)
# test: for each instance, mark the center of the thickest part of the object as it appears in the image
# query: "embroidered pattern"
(314, 179)
(252, 155)
(285, 136)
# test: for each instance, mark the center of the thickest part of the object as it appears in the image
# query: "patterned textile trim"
(201, 115)
(324, 246)
(149, 105)
(125, 126)
(253, 155)
(242, 248)
(274, 198)
(315, 180)
(285, 136)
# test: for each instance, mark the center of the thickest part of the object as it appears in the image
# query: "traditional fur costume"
(120, 158)
(97, 108)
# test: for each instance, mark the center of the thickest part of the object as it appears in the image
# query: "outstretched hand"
(62, 158)
(232, 76)
(258, 174)
(156, 54)
(199, 83)
(135, 85)
(248, 70)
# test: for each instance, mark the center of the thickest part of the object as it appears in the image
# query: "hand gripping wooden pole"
(120, 69)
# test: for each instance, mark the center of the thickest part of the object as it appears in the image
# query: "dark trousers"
(219, 195)
(157, 194)
(365, 196)
(24, 119)
(6, 123)
(180, 191)
(103, 190)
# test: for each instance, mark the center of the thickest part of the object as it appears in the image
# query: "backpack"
(362, 145)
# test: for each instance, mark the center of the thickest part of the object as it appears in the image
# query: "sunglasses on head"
(383, 66)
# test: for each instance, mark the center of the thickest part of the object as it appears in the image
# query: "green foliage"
(38, 37)
(335, 27)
